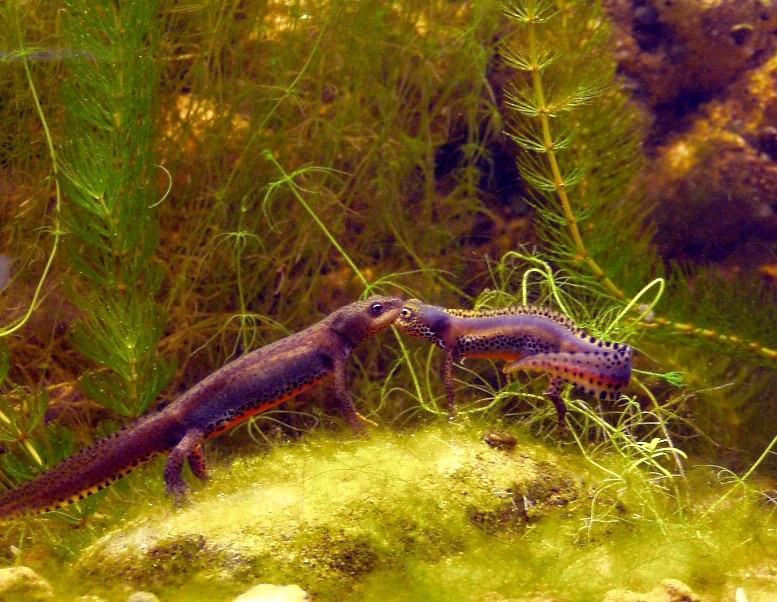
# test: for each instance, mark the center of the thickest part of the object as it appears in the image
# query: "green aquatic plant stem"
(57, 230)
(741, 480)
(544, 112)
(638, 455)
(712, 334)
(286, 93)
(545, 142)
(241, 237)
(288, 179)
(260, 130)
(647, 309)
(108, 164)
(678, 458)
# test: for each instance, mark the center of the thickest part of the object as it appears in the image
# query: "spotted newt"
(249, 385)
(529, 338)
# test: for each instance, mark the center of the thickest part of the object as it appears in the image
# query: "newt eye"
(376, 308)
(406, 313)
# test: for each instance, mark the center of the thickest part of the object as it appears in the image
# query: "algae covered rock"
(329, 512)
(22, 584)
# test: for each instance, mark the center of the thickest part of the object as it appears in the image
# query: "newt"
(530, 338)
(251, 384)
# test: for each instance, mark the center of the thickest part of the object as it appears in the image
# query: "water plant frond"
(521, 61)
(533, 12)
(535, 144)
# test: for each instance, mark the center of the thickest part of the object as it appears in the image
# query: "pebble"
(670, 590)
(22, 584)
(274, 593)
(142, 597)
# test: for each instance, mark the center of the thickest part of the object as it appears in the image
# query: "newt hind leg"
(189, 446)
(554, 394)
(450, 395)
(197, 463)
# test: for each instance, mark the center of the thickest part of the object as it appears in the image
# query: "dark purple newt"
(530, 338)
(249, 385)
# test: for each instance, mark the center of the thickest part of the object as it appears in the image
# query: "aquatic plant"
(32, 446)
(582, 146)
(110, 217)
(579, 169)
(313, 139)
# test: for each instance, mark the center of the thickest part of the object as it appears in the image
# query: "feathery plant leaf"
(579, 132)
(14, 17)
(109, 171)
(560, 53)
(33, 446)
(530, 13)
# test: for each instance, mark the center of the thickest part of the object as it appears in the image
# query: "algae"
(431, 513)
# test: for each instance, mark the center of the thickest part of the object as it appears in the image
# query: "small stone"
(22, 584)
(500, 440)
(267, 592)
(142, 597)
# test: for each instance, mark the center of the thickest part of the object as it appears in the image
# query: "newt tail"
(249, 385)
(529, 338)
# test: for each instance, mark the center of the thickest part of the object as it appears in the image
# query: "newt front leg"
(447, 376)
(343, 398)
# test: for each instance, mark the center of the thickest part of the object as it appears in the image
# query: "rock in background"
(705, 72)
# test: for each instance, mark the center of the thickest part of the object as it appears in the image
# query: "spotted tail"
(84, 473)
(603, 374)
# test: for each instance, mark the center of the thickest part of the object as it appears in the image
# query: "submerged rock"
(326, 513)
(142, 597)
(683, 50)
(714, 185)
(274, 593)
(22, 584)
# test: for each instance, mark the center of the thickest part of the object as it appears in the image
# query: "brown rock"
(691, 48)
(715, 185)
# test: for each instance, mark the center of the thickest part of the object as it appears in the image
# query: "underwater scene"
(372, 300)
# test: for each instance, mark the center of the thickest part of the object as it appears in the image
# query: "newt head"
(363, 319)
(417, 319)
